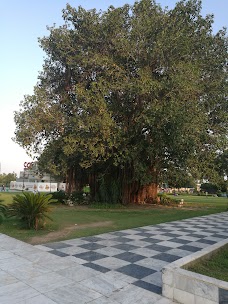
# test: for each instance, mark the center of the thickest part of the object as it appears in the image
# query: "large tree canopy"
(128, 93)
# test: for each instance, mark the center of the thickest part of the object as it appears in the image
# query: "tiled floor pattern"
(136, 256)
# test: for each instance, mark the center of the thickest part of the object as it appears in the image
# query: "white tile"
(48, 282)
(103, 284)
(6, 279)
(109, 251)
(152, 263)
(71, 293)
(111, 263)
(27, 272)
(43, 248)
(78, 273)
(41, 299)
(115, 275)
(170, 244)
(103, 300)
(147, 252)
(11, 263)
(133, 294)
(16, 292)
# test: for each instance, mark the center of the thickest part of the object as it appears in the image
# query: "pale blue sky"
(21, 23)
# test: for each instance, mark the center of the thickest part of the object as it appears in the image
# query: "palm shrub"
(3, 211)
(30, 208)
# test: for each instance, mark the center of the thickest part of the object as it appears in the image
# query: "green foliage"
(30, 208)
(5, 179)
(165, 199)
(178, 178)
(108, 192)
(79, 198)
(209, 188)
(60, 196)
(3, 211)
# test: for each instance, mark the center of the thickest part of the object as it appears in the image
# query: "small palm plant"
(3, 211)
(30, 208)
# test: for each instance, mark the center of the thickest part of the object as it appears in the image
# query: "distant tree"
(5, 179)
(178, 178)
(127, 93)
(221, 163)
(209, 188)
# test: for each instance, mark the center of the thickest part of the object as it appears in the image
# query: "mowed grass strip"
(215, 267)
(118, 219)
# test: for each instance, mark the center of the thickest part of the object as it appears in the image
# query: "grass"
(118, 219)
(215, 267)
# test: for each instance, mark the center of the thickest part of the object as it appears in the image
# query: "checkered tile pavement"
(138, 255)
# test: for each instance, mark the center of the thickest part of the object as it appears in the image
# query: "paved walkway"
(121, 267)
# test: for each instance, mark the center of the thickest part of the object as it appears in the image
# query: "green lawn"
(112, 219)
(215, 267)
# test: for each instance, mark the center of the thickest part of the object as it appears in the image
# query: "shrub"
(209, 188)
(79, 198)
(165, 199)
(3, 211)
(60, 196)
(30, 208)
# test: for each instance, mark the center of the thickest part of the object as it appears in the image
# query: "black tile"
(92, 239)
(58, 253)
(146, 234)
(223, 296)
(220, 236)
(187, 230)
(119, 233)
(209, 242)
(148, 286)
(171, 234)
(180, 241)
(164, 230)
(200, 236)
(91, 246)
(166, 257)
(136, 271)
(97, 267)
(209, 231)
(129, 257)
(159, 248)
(122, 239)
(141, 230)
(152, 240)
(57, 245)
(189, 248)
(90, 256)
(126, 247)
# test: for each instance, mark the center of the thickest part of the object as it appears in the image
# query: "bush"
(3, 211)
(79, 198)
(60, 196)
(165, 199)
(209, 188)
(30, 208)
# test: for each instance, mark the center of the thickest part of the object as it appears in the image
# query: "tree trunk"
(146, 194)
(140, 194)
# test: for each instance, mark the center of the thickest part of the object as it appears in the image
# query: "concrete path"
(121, 267)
